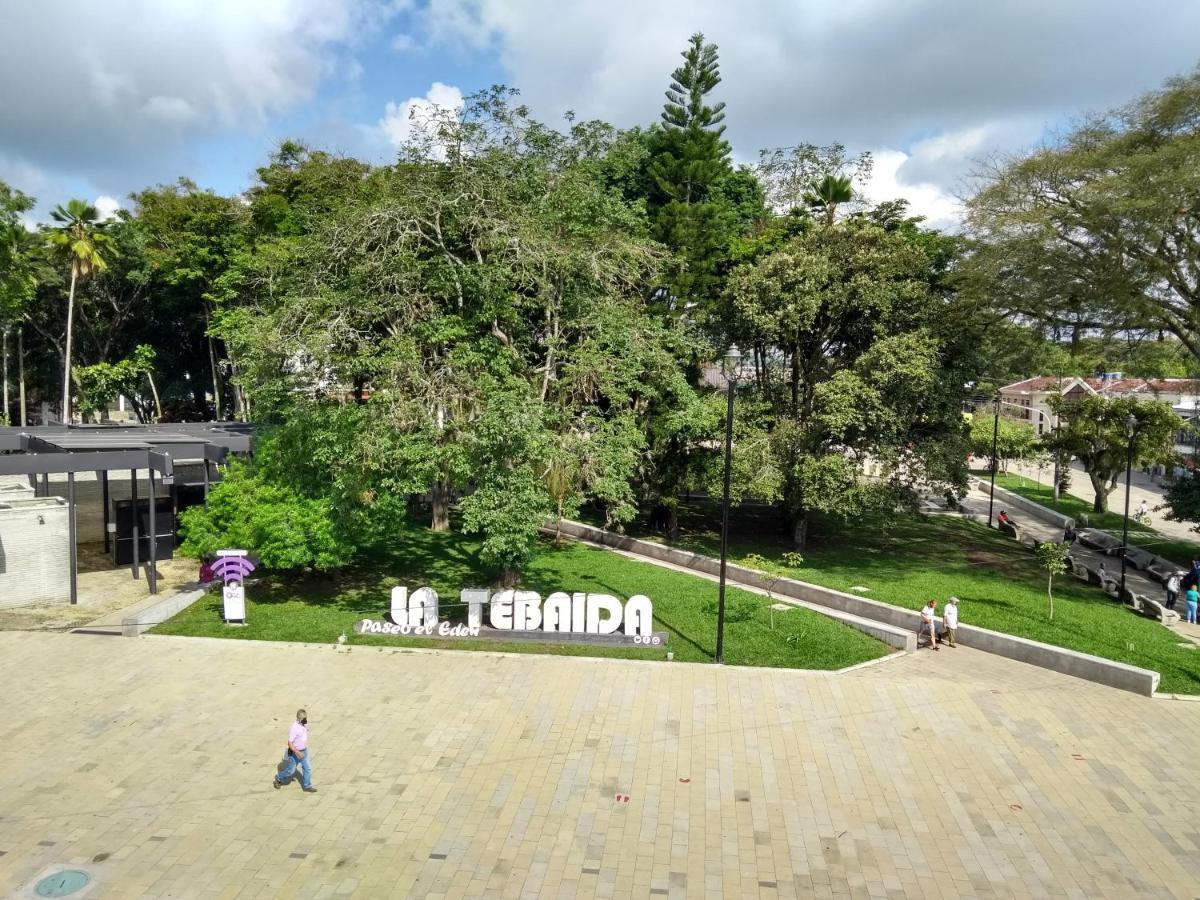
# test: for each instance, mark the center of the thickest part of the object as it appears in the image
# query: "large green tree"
(688, 170)
(16, 285)
(476, 310)
(851, 318)
(1098, 231)
(1094, 429)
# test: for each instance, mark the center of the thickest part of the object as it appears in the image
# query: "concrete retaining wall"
(34, 552)
(1007, 500)
(157, 613)
(1058, 659)
(899, 636)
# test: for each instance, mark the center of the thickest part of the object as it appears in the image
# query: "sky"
(101, 100)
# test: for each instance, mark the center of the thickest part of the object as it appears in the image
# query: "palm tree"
(82, 233)
(827, 193)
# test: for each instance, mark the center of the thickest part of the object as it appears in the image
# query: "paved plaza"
(147, 762)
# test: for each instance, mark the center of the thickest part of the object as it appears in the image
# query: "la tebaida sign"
(521, 615)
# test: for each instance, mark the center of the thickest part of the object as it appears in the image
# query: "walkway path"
(976, 504)
(147, 761)
(1142, 487)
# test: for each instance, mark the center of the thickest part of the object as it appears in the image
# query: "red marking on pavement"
(685, 781)
(622, 798)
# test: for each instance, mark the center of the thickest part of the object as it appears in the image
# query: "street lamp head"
(731, 363)
(1131, 424)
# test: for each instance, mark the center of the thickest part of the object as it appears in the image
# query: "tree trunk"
(1100, 504)
(509, 577)
(673, 522)
(157, 417)
(6, 418)
(21, 373)
(558, 525)
(216, 377)
(440, 497)
(1050, 594)
(66, 401)
(799, 531)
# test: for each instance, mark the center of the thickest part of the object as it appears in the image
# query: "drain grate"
(62, 884)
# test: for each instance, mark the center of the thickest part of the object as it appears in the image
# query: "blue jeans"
(289, 769)
(1191, 613)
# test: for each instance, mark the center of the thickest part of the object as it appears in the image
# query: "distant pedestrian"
(1193, 598)
(928, 611)
(1069, 535)
(1173, 584)
(297, 755)
(950, 620)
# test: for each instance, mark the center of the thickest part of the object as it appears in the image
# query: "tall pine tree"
(689, 163)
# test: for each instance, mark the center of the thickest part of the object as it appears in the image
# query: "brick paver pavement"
(148, 761)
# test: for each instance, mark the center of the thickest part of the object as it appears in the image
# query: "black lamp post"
(995, 461)
(730, 365)
(1130, 431)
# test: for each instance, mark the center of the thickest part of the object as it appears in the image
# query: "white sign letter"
(474, 599)
(399, 610)
(639, 616)
(423, 607)
(607, 603)
(557, 612)
(527, 613)
(502, 610)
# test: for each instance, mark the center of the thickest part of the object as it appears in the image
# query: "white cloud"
(940, 81)
(133, 81)
(940, 208)
(402, 122)
(106, 207)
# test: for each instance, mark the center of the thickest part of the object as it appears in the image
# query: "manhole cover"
(62, 884)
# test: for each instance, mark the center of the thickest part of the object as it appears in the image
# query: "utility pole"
(995, 460)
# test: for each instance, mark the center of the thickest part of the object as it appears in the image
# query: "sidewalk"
(1141, 487)
(976, 504)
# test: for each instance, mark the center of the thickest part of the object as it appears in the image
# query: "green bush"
(279, 527)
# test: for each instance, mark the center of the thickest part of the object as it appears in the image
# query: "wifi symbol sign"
(232, 565)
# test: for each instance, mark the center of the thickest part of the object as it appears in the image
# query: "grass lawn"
(996, 579)
(315, 608)
(1179, 552)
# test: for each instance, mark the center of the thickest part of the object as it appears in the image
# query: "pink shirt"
(298, 736)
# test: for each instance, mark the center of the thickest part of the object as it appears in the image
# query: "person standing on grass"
(1193, 599)
(928, 611)
(297, 755)
(1173, 584)
(950, 620)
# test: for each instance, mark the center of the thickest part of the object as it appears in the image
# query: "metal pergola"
(67, 449)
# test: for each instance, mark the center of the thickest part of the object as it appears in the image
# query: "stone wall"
(34, 552)
(1007, 500)
(1068, 662)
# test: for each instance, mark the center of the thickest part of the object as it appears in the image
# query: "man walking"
(297, 754)
(1173, 584)
(928, 625)
(950, 620)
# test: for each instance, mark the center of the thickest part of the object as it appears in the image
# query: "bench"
(1155, 610)
(1140, 559)
(1009, 529)
(1099, 540)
